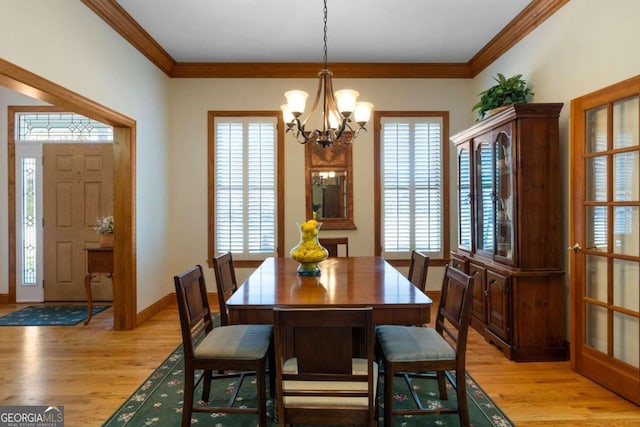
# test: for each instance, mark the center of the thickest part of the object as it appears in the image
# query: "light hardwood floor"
(92, 369)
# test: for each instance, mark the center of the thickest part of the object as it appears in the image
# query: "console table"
(99, 261)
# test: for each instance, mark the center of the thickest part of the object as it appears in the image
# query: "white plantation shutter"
(412, 211)
(245, 186)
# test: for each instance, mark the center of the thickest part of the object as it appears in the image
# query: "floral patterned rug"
(158, 402)
(49, 315)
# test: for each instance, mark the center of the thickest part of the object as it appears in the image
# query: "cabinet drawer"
(459, 262)
(100, 261)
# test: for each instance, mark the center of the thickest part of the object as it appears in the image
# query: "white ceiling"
(393, 31)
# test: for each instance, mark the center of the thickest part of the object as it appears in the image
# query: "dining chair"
(418, 268)
(332, 244)
(227, 285)
(440, 350)
(323, 375)
(240, 349)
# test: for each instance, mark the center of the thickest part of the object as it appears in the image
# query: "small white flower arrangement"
(104, 225)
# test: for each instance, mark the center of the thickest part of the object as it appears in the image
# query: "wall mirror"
(329, 185)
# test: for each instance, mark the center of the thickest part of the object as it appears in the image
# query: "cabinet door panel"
(479, 304)
(498, 307)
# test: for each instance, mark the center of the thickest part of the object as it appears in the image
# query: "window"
(413, 156)
(47, 126)
(245, 184)
(28, 216)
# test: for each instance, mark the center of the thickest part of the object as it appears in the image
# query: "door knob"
(575, 248)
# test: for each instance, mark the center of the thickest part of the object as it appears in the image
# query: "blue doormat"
(50, 315)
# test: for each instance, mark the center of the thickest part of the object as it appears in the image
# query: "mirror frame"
(335, 157)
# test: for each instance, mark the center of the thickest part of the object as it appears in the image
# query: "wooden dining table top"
(345, 282)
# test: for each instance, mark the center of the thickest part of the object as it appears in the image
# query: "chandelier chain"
(325, 33)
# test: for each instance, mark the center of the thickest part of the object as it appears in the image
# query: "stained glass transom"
(61, 127)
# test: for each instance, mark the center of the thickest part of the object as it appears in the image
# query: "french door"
(605, 260)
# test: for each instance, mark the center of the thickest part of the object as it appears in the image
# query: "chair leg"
(272, 371)
(262, 393)
(187, 405)
(206, 384)
(442, 385)
(461, 395)
(388, 395)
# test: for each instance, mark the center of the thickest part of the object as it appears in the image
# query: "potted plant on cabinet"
(507, 91)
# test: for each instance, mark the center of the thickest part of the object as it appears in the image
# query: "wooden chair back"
(454, 311)
(418, 268)
(226, 283)
(193, 308)
(322, 343)
(332, 245)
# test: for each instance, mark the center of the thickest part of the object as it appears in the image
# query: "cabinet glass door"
(485, 196)
(464, 197)
(504, 199)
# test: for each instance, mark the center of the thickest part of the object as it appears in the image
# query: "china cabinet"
(509, 230)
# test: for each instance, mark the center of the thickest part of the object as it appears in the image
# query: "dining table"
(367, 281)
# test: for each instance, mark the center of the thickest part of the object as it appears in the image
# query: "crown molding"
(526, 21)
(118, 18)
(307, 69)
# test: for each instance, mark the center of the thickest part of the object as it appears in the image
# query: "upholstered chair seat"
(235, 342)
(403, 344)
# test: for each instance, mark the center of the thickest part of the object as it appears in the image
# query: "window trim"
(211, 116)
(377, 158)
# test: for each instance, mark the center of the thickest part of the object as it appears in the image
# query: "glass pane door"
(504, 202)
(612, 231)
(606, 225)
(464, 197)
(485, 197)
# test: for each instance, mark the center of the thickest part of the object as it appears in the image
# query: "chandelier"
(337, 109)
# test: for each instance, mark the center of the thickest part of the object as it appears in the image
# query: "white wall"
(585, 46)
(66, 43)
(191, 99)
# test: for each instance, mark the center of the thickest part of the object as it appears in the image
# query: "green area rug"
(49, 315)
(158, 402)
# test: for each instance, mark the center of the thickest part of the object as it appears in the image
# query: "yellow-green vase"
(308, 252)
